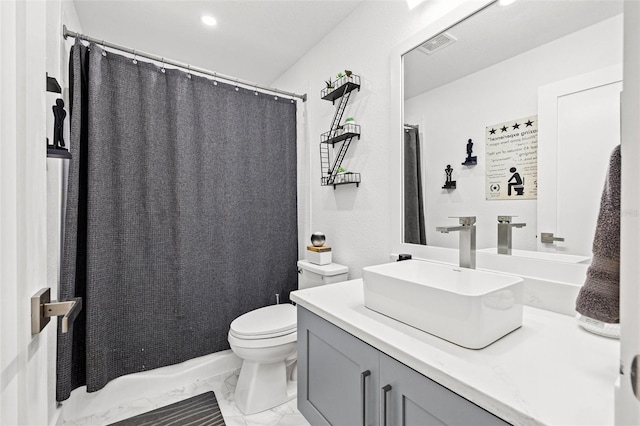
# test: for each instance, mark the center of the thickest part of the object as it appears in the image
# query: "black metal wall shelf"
(347, 131)
(342, 134)
(350, 83)
(58, 153)
(342, 179)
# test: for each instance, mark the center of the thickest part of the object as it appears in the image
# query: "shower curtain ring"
(188, 71)
(215, 82)
(256, 90)
(104, 52)
(237, 88)
(135, 61)
(162, 69)
(276, 96)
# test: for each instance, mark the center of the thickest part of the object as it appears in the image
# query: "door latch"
(43, 308)
(549, 238)
(635, 376)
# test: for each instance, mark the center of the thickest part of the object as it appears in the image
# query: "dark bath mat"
(201, 410)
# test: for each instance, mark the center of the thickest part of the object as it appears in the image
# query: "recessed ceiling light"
(208, 20)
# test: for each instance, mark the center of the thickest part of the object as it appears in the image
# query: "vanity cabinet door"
(337, 374)
(410, 399)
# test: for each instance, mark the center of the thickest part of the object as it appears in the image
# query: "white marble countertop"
(549, 371)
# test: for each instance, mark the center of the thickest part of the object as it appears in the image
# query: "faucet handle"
(465, 220)
(505, 219)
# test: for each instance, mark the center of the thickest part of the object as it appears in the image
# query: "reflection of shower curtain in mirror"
(414, 229)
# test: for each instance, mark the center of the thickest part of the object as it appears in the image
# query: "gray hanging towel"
(599, 297)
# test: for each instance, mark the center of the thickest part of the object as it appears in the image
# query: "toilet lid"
(269, 321)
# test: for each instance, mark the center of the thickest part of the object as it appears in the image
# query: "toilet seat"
(265, 323)
(241, 342)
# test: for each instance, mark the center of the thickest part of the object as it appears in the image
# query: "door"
(579, 125)
(627, 394)
(337, 374)
(27, 375)
(408, 398)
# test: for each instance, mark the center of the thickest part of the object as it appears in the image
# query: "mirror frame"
(454, 16)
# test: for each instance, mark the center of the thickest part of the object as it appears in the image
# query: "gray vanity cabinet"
(341, 378)
(411, 399)
(337, 374)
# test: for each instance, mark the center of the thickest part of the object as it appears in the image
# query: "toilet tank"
(312, 275)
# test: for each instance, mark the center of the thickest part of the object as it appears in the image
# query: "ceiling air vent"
(436, 43)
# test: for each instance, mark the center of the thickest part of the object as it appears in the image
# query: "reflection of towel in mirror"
(599, 297)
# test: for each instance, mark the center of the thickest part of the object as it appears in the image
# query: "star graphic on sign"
(492, 131)
(529, 123)
(516, 126)
(504, 128)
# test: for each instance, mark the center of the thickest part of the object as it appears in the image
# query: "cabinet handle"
(385, 390)
(363, 394)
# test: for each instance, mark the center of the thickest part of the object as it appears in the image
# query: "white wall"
(30, 36)
(355, 220)
(451, 114)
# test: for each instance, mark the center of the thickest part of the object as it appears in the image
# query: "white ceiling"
(498, 33)
(254, 40)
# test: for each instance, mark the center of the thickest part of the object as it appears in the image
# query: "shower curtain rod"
(68, 33)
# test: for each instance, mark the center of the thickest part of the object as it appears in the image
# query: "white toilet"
(265, 339)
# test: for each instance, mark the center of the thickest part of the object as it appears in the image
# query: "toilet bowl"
(265, 339)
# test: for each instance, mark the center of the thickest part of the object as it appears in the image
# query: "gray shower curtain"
(181, 215)
(414, 227)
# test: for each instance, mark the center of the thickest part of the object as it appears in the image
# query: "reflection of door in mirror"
(491, 73)
(414, 228)
(579, 128)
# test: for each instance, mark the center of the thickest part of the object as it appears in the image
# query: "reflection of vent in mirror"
(436, 43)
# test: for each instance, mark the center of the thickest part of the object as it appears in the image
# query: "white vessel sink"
(464, 306)
(543, 255)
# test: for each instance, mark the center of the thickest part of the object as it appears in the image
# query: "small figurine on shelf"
(449, 184)
(58, 125)
(57, 148)
(470, 160)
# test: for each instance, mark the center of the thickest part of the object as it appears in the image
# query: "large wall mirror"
(513, 111)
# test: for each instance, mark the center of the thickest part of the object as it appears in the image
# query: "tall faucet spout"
(447, 229)
(504, 233)
(467, 241)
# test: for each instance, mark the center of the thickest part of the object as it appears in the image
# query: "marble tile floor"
(222, 385)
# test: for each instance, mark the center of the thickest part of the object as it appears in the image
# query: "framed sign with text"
(512, 160)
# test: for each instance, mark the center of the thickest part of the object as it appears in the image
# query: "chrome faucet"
(467, 245)
(504, 233)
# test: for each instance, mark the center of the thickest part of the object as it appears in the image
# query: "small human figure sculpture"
(515, 182)
(449, 184)
(58, 125)
(470, 160)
